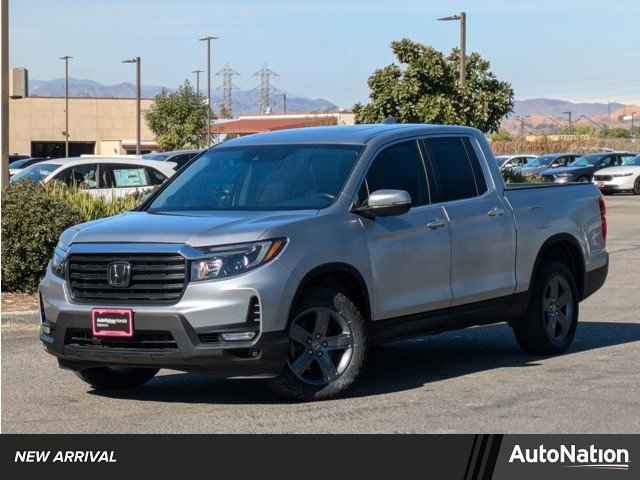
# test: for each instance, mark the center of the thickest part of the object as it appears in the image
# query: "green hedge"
(33, 217)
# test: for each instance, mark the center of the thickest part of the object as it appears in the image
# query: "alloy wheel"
(321, 345)
(558, 308)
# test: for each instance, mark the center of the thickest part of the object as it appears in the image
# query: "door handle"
(436, 224)
(495, 212)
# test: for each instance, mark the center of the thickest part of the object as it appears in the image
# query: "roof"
(243, 126)
(345, 134)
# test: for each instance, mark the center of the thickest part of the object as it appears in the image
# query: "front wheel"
(636, 186)
(549, 325)
(584, 179)
(327, 347)
(107, 378)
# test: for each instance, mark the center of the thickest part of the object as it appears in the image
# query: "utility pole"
(197, 72)
(462, 17)
(227, 87)
(66, 59)
(4, 120)
(522, 122)
(570, 121)
(633, 114)
(265, 74)
(208, 39)
(136, 60)
(284, 103)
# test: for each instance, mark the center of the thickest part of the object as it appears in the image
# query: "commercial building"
(248, 124)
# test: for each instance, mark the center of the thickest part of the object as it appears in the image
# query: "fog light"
(238, 336)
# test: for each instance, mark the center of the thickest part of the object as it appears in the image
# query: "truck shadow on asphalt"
(395, 367)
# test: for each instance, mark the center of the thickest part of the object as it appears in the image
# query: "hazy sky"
(570, 49)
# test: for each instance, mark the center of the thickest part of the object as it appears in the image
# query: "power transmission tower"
(227, 74)
(265, 74)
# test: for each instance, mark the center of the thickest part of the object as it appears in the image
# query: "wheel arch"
(566, 248)
(334, 274)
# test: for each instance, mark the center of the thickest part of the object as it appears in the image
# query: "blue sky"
(570, 49)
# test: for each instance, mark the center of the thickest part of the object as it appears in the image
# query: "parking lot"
(476, 380)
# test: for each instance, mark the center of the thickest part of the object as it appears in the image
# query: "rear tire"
(549, 325)
(584, 179)
(328, 345)
(107, 378)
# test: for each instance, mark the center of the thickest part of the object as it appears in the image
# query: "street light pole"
(570, 121)
(197, 72)
(136, 60)
(66, 59)
(284, 103)
(208, 39)
(462, 17)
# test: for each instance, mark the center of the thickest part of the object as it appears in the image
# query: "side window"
(155, 177)
(83, 177)
(125, 176)
(608, 161)
(450, 171)
(400, 167)
(481, 183)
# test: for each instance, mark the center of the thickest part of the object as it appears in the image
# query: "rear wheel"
(583, 179)
(327, 347)
(105, 378)
(549, 326)
(636, 186)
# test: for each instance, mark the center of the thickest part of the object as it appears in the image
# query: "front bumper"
(616, 184)
(164, 341)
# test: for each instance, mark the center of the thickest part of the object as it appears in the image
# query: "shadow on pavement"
(395, 367)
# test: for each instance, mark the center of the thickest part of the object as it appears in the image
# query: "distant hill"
(244, 101)
(555, 108)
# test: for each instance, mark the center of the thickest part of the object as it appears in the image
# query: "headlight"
(622, 174)
(59, 262)
(230, 260)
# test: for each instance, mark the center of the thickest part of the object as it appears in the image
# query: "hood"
(619, 170)
(192, 228)
(560, 170)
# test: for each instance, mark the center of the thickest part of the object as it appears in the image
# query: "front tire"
(636, 186)
(549, 325)
(584, 179)
(327, 349)
(108, 378)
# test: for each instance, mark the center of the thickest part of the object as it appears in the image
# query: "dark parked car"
(179, 157)
(537, 165)
(19, 165)
(583, 168)
(16, 156)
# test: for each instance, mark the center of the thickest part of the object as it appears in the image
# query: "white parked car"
(105, 177)
(625, 177)
(513, 162)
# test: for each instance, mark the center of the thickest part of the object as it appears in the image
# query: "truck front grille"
(154, 278)
(142, 340)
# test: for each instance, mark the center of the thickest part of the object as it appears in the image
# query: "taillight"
(603, 218)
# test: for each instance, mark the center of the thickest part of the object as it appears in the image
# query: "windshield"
(501, 159)
(156, 156)
(19, 163)
(585, 161)
(279, 177)
(541, 161)
(35, 173)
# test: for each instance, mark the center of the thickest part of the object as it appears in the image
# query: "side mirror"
(385, 203)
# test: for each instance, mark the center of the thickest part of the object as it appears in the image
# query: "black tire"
(348, 362)
(544, 316)
(107, 378)
(584, 179)
(636, 186)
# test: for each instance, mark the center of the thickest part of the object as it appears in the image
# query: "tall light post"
(197, 72)
(570, 114)
(66, 59)
(462, 17)
(136, 60)
(208, 39)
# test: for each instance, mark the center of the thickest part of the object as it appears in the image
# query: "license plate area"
(112, 322)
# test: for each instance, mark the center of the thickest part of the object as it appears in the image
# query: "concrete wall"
(100, 120)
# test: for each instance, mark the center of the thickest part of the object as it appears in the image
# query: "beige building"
(102, 126)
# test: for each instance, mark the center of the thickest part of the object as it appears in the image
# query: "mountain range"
(243, 101)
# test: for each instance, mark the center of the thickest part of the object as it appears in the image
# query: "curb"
(28, 317)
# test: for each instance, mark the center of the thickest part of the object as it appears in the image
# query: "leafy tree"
(616, 133)
(426, 88)
(178, 119)
(501, 136)
(225, 112)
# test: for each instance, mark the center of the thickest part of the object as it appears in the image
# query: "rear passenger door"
(121, 179)
(409, 253)
(481, 225)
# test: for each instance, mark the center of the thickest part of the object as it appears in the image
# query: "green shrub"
(32, 221)
(34, 216)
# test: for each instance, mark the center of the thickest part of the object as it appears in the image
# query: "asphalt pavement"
(475, 380)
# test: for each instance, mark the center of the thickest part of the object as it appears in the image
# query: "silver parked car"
(288, 254)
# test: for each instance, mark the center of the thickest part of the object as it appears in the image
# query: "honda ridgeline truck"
(287, 255)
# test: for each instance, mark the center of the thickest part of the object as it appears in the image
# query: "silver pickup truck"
(286, 255)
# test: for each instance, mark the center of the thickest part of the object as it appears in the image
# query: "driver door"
(409, 253)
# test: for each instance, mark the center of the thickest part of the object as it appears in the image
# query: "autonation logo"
(574, 457)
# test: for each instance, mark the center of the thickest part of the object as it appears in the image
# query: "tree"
(426, 89)
(501, 136)
(178, 119)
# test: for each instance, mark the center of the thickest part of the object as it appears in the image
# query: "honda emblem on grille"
(119, 274)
